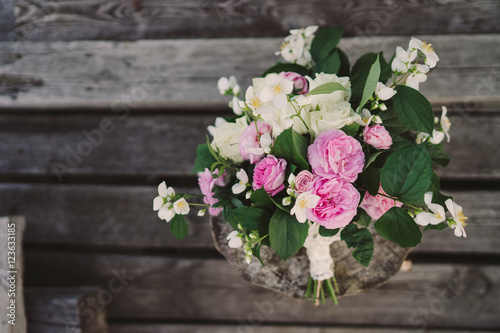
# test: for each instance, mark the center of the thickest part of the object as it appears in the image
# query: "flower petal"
(162, 189)
(157, 203)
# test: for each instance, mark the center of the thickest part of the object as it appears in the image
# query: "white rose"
(334, 97)
(331, 116)
(302, 124)
(227, 138)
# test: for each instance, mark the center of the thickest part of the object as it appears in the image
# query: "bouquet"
(318, 150)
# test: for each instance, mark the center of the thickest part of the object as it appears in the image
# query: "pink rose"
(337, 205)
(377, 136)
(376, 206)
(336, 154)
(304, 181)
(249, 144)
(207, 183)
(299, 82)
(270, 174)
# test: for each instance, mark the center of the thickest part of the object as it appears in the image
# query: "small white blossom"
(431, 57)
(402, 60)
(436, 216)
(286, 201)
(366, 118)
(445, 123)
(234, 239)
(240, 186)
(228, 86)
(296, 47)
(202, 212)
(276, 90)
(437, 137)
(459, 218)
(304, 201)
(181, 207)
(162, 203)
(235, 105)
(166, 212)
(383, 92)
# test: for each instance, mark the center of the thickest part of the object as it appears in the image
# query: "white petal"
(437, 137)
(165, 213)
(232, 234)
(162, 189)
(181, 207)
(428, 198)
(235, 242)
(238, 188)
(401, 55)
(242, 175)
(424, 218)
(157, 203)
(386, 93)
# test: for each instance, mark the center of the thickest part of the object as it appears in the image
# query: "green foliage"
(435, 188)
(287, 67)
(397, 226)
(364, 71)
(286, 234)
(179, 227)
(345, 65)
(407, 173)
(371, 82)
(329, 64)
(326, 88)
(438, 155)
(362, 218)
(361, 240)
(413, 109)
(325, 42)
(328, 232)
(391, 121)
(351, 129)
(371, 179)
(250, 218)
(439, 226)
(385, 68)
(204, 159)
(292, 146)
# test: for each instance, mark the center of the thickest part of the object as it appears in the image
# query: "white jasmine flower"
(436, 216)
(248, 194)
(242, 184)
(431, 57)
(255, 104)
(383, 92)
(181, 207)
(366, 118)
(162, 202)
(437, 137)
(401, 61)
(445, 123)
(459, 218)
(266, 141)
(235, 105)
(304, 200)
(296, 47)
(166, 212)
(228, 86)
(202, 212)
(234, 239)
(286, 201)
(276, 90)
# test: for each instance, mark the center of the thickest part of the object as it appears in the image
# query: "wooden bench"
(102, 101)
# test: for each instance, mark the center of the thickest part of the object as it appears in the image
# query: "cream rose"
(227, 137)
(331, 116)
(334, 97)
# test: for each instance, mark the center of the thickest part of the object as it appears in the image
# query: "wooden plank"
(56, 146)
(62, 310)
(122, 217)
(169, 74)
(124, 20)
(12, 311)
(178, 328)
(163, 288)
(6, 19)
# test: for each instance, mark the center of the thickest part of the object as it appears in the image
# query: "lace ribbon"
(318, 252)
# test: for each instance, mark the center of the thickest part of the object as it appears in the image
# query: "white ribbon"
(318, 252)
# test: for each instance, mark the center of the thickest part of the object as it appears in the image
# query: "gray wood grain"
(12, 309)
(122, 217)
(62, 310)
(56, 146)
(120, 77)
(6, 20)
(165, 288)
(214, 328)
(130, 20)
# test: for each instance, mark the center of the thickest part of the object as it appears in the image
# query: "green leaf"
(351, 129)
(179, 227)
(413, 109)
(371, 178)
(286, 234)
(326, 88)
(439, 226)
(399, 142)
(287, 67)
(204, 158)
(371, 158)
(438, 155)
(324, 42)
(359, 75)
(261, 198)
(385, 69)
(407, 173)
(292, 146)
(345, 65)
(328, 232)
(397, 226)
(329, 64)
(250, 218)
(435, 188)
(370, 83)
(391, 121)
(362, 242)
(256, 253)
(362, 218)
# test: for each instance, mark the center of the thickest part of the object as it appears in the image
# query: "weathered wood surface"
(146, 145)
(63, 310)
(122, 217)
(256, 328)
(12, 311)
(6, 19)
(119, 20)
(168, 74)
(161, 288)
